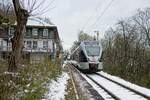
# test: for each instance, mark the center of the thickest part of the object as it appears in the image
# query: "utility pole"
(97, 35)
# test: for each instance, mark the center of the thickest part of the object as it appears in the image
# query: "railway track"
(110, 89)
(131, 89)
(116, 90)
(87, 87)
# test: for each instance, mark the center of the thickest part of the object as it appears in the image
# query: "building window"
(1, 42)
(45, 44)
(51, 34)
(45, 32)
(29, 32)
(40, 32)
(29, 44)
(1, 45)
(12, 30)
(35, 44)
(35, 32)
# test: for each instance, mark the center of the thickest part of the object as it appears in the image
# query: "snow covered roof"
(41, 22)
(38, 22)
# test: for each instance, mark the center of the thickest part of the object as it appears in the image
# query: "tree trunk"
(17, 41)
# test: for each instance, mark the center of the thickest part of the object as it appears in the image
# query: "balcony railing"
(8, 48)
(37, 49)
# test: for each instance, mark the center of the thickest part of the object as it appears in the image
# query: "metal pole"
(97, 34)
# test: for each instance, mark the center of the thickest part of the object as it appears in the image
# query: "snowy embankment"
(57, 88)
(128, 84)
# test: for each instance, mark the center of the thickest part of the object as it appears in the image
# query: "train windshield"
(92, 50)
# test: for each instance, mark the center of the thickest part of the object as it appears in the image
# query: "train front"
(94, 55)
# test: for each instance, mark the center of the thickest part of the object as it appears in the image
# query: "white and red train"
(88, 56)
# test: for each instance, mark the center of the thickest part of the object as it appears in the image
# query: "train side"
(88, 56)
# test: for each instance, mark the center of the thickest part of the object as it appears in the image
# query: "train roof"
(84, 43)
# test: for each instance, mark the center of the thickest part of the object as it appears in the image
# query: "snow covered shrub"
(30, 82)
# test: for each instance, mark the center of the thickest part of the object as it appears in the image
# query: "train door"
(82, 56)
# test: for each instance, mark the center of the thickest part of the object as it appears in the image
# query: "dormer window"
(34, 31)
(45, 32)
(52, 34)
(29, 32)
(40, 32)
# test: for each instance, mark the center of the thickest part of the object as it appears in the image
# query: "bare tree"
(5, 8)
(17, 41)
(126, 49)
(7, 15)
(142, 18)
(23, 9)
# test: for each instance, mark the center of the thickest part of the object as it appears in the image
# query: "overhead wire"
(90, 17)
(101, 15)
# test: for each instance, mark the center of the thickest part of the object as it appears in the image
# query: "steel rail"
(110, 93)
(135, 91)
(73, 83)
(75, 69)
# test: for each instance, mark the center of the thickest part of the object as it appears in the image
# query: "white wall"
(3, 45)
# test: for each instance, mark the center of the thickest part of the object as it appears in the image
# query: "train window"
(82, 57)
(92, 50)
(91, 43)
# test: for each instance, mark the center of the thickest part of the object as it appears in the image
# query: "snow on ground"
(65, 62)
(57, 88)
(126, 83)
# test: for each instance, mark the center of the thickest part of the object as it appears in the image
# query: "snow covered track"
(133, 90)
(85, 89)
(115, 89)
(110, 93)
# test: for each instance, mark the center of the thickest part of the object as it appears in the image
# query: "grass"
(70, 91)
(30, 82)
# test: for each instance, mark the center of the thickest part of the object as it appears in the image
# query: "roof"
(38, 22)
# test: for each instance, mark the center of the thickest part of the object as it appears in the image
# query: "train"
(87, 57)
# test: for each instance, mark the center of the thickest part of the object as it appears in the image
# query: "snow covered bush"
(30, 82)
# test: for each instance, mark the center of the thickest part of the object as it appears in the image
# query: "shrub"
(30, 82)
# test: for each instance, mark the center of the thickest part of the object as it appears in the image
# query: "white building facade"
(40, 39)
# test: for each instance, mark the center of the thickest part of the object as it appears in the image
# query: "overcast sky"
(73, 15)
